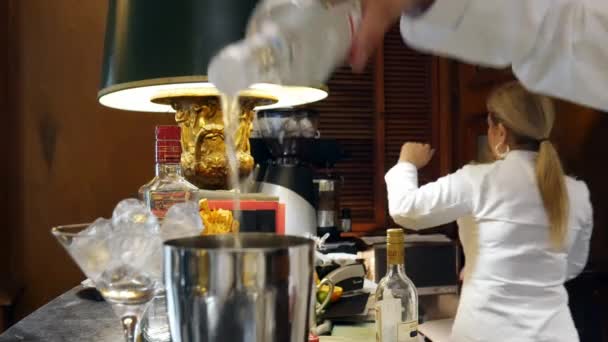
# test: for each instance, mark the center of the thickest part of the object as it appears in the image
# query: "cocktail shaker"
(239, 287)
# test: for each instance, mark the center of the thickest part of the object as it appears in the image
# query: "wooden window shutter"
(371, 115)
(348, 115)
(408, 96)
(409, 103)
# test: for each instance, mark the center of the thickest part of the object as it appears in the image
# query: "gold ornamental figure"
(200, 116)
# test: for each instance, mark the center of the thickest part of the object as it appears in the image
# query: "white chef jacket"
(555, 47)
(513, 284)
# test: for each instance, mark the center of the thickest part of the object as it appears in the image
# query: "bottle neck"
(168, 153)
(395, 269)
(395, 259)
(168, 169)
(395, 255)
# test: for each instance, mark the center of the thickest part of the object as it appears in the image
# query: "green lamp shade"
(156, 39)
(160, 42)
(160, 45)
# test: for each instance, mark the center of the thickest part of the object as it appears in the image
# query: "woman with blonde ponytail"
(524, 225)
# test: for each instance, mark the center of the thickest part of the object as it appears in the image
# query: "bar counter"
(68, 318)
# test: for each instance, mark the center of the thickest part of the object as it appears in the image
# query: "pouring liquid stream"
(231, 110)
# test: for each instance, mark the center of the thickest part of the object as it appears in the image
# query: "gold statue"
(218, 221)
(200, 117)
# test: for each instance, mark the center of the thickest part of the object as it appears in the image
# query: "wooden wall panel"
(78, 158)
(5, 137)
(581, 138)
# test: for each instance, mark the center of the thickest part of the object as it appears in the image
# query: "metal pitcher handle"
(321, 307)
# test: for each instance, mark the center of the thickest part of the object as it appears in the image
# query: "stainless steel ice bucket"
(241, 288)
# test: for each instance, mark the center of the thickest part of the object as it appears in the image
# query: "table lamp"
(155, 60)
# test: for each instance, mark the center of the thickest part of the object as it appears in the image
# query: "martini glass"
(127, 286)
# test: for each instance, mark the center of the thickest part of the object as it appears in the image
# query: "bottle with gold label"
(396, 296)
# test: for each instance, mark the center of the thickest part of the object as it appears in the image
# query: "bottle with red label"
(169, 185)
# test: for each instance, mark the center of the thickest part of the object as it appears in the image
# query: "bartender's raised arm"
(555, 47)
(431, 205)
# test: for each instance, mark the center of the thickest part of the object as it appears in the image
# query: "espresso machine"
(287, 148)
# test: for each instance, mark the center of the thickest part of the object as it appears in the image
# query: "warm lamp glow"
(138, 96)
(290, 96)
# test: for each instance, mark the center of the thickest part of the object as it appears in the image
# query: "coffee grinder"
(287, 147)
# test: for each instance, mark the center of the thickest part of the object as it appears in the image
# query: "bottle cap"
(168, 133)
(395, 236)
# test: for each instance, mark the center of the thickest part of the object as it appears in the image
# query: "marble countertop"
(68, 318)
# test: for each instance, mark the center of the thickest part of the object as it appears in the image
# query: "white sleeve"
(555, 47)
(431, 205)
(581, 238)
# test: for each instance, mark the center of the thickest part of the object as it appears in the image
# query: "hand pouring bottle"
(288, 42)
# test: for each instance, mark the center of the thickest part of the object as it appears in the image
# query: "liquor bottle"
(396, 296)
(169, 186)
(289, 43)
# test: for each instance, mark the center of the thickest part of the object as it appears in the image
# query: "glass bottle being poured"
(288, 42)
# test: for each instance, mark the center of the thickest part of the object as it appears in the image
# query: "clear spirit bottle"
(169, 186)
(396, 296)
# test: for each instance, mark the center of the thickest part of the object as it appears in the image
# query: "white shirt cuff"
(406, 166)
(401, 171)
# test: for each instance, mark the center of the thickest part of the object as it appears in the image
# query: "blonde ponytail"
(552, 187)
(529, 118)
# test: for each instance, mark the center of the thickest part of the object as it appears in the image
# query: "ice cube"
(182, 220)
(125, 206)
(90, 247)
(100, 227)
(134, 248)
(92, 253)
(132, 214)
